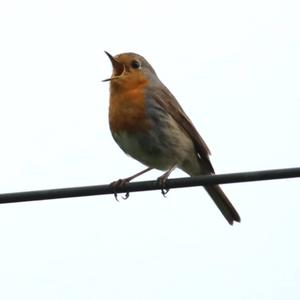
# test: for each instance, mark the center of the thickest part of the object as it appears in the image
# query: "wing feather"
(168, 102)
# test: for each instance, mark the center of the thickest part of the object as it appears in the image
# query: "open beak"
(118, 68)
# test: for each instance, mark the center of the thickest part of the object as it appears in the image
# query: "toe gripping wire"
(121, 183)
(163, 179)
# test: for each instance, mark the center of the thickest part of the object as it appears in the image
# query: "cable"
(149, 185)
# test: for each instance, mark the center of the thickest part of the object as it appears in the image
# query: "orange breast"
(127, 109)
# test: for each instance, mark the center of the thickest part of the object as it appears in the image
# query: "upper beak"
(118, 68)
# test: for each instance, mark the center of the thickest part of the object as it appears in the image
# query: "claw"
(162, 182)
(117, 184)
(122, 183)
(163, 179)
(116, 197)
(165, 192)
(126, 196)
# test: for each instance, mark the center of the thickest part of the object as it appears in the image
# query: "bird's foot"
(163, 179)
(162, 182)
(120, 183)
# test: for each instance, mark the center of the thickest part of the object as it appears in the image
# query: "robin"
(149, 124)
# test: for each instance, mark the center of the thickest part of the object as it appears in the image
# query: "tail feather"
(223, 203)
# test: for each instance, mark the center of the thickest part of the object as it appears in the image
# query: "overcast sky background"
(235, 68)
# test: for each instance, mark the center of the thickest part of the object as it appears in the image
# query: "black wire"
(149, 185)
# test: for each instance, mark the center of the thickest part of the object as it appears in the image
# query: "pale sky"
(235, 68)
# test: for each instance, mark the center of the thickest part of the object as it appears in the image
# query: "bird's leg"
(163, 178)
(122, 182)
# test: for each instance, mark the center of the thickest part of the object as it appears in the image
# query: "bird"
(149, 124)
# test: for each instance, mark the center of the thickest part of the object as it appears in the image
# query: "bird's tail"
(223, 203)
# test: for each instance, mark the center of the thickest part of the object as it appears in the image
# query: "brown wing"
(166, 100)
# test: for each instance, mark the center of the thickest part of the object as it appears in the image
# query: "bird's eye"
(135, 64)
